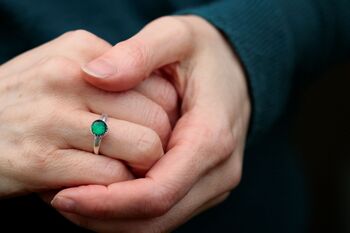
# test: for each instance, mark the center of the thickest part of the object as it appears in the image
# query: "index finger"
(80, 46)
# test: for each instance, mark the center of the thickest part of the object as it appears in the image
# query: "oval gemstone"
(99, 127)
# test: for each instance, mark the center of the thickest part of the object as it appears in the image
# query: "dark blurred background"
(322, 133)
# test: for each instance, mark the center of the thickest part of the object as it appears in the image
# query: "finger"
(69, 167)
(63, 75)
(211, 203)
(202, 139)
(162, 42)
(80, 46)
(130, 106)
(204, 195)
(138, 146)
(193, 204)
(165, 184)
(184, 211)
(162, 92)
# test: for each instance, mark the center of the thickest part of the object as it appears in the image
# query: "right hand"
(46, 109)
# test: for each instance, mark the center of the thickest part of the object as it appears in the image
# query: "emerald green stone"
(99, 127)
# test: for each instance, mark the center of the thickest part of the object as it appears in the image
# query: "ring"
(99, 128)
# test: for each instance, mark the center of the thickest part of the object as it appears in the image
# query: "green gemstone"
(99, 127)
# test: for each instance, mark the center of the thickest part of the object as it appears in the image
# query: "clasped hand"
(178, 107)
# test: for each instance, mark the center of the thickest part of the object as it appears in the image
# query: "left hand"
(203, 161)
(149, 107)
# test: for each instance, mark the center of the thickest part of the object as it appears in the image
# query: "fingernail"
(63, 203)
(99, 68)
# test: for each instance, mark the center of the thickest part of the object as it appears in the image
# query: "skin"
(203, 160)
(46, 112)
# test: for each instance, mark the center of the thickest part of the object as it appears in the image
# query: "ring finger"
(138, 146)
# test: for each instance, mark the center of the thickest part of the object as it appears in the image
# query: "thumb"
(163, 41)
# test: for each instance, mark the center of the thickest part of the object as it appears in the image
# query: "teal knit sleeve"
(279, 42)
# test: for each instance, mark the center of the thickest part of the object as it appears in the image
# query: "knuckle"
(236, 175)
(159, 121)
(216, 141)
(84, 43)
(57, 72)
(237, 180)
(234, 179)
(137, 55)
(150, 145)
(227, 142)
(223, 197)
(165, 93)
(177, 24)
(115, 171)
(180, 28)
(79, 37)
(223, 141)
(158, 203)
(233, 182)
(169, 97)
(157, 209)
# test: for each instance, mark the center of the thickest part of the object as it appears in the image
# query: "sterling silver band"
(97, 144)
